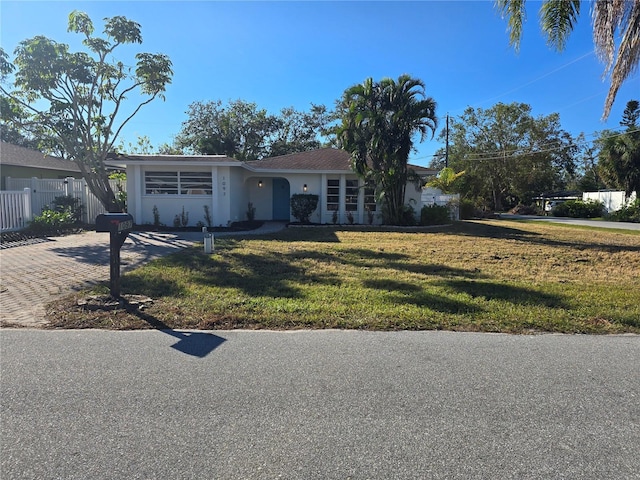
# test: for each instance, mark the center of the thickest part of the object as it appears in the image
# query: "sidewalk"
(33, 275)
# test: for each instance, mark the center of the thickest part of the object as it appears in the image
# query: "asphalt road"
(318, 405)
(574, 221)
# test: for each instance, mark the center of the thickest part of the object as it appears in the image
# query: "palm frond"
(628, 56)
(514, 11)
(558, 18)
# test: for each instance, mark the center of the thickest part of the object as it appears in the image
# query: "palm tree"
(558, 18)
(379, 123)
(446, 180)
(619, 158)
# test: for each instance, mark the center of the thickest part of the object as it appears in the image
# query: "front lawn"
(493, 276)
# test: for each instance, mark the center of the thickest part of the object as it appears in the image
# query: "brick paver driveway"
(33, 275)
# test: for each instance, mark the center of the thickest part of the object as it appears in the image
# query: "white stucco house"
(169, 183)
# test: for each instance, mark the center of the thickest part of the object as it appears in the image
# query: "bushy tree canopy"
(244, 131)
(509, 155)
(78, 100)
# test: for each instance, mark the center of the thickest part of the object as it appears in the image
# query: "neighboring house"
(20, 162)
(167, 184)
(547, 201)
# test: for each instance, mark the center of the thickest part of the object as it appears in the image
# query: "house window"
(370, 199)
(333, 194)
(195, 183)
(351, 196)
(178, 183)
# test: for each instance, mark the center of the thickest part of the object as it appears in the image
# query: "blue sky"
(281, 54)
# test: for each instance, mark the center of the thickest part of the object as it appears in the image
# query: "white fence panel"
(15, 210)
(612, 200)
(44, 191)
(433, 196)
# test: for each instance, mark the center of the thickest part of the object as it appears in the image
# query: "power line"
(514, 153)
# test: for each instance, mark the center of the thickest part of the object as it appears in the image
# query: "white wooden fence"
(612, 200)
(17, 210)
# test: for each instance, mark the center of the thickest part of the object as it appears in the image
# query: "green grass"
(492, 276)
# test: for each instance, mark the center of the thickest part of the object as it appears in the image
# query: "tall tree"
(300, 131)
(379, 121)
(79, 99)
(619, 158)
(508, 155)
(612, 20)
(589, 178)
(241, 130)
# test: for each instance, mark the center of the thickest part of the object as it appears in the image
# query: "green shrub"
(630, 213)
(434, 215)
(51, 221)
(303, 205)
(467, 209)
(68, 203)
(578, 209)
(156, 216)
(251, 212)
(181, 220)
(407, 216)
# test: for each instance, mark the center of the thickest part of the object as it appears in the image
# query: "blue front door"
(281, 199)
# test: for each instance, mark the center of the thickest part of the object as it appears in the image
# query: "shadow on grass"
(434, 269)
(486, 230)
(275, 275)
(268, 275)
(304, 234)
(154, 286)
(506, 293)
(404, 292)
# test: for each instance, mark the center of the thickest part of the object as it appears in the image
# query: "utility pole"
(446, 152)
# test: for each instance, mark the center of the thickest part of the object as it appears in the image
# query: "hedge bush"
(467, 209)
(630, 213)
(434, 215)
(303, 205)
(578, 209)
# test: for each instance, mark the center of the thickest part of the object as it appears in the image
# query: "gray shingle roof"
(24, 157)
(324, 159)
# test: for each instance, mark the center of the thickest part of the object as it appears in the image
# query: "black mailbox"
(114, 222)
(118, 225)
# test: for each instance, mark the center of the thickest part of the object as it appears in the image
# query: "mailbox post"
(118, 225)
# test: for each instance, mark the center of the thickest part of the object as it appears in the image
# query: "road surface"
(318, 405)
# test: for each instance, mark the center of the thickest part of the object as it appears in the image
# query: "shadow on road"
(196, 344)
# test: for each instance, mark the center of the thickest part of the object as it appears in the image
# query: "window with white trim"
(333, 194)
(369, 199)
(177, 183)
(351, 196)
